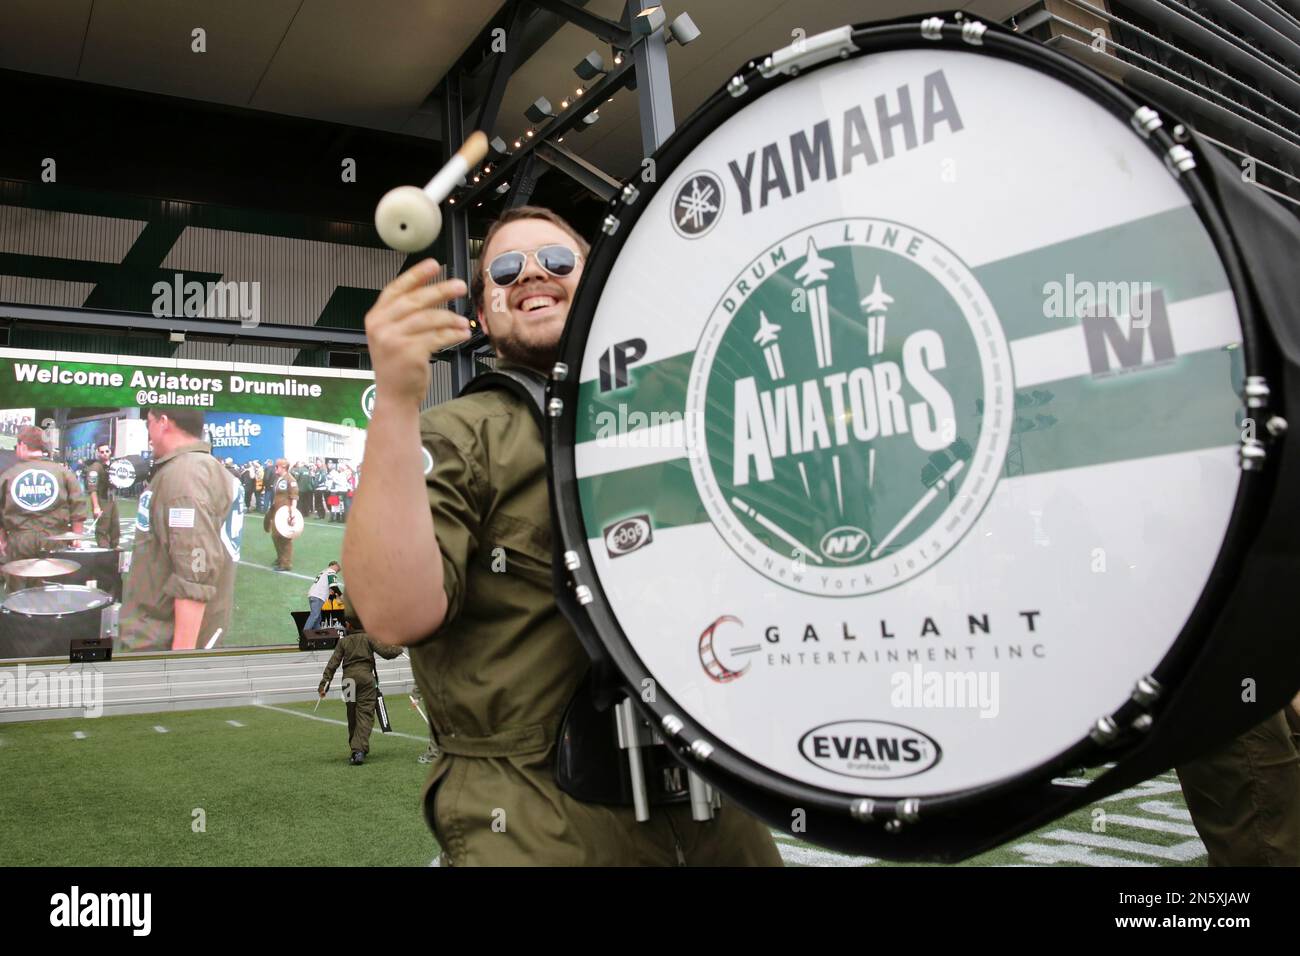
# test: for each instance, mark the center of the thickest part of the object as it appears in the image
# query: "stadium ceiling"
(374, 63)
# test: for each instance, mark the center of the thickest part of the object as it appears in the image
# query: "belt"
(515, 742)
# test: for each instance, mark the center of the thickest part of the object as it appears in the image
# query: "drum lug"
(972, 31)
(801, 54)
(1104, 732)
(572, 561)
(609, 226)
(672, 725)
(737, 86)
(909, 810)
(1142, 723)
(555, 407)
(1146, 121)
(1256, 391)
(702, 750)
(1276, 426)
(1180, 160)
(630, 194)
(1147, 691)
(862, 810)
(559, 371)
(583, 594)
(932, 28)
(1253, 455)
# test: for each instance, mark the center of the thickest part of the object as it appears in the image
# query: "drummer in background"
(38, 497)
(181, 585)
(103, 503)
(285, 491)
(494, 658)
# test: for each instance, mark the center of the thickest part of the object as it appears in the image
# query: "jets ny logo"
(697, 205)
(849, 363)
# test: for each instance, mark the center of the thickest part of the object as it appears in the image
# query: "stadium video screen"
(169, 505)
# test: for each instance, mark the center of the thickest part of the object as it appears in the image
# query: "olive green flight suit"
(285, 493)
(108, 529)
(187, 535)
(356, 652)
(1245, 797)
(38, 497)
(499, 673)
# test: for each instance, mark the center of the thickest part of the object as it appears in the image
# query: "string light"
(529, 134)
(564, 104)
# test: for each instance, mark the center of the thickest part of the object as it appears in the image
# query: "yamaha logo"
(869, 388)
(869, 749)
(697, 205)
(34, 490)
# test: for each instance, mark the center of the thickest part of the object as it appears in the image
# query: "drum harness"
(588, 747)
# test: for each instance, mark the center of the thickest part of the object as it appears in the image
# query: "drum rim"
(724, 761)
(100, 605)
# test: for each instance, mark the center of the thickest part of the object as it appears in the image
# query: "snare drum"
(908, 441)
(41, 622)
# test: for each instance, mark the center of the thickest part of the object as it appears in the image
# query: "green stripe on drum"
(1187, 404)
(1171, 247)
(1168, 250)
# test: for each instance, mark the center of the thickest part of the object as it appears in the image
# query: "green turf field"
(277, 790)
(264, 598)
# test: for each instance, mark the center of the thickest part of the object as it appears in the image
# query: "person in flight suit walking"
(103, 501)
(181, 586)
(356, 651)
(285, 490)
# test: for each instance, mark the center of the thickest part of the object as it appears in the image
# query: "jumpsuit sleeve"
(335, 660)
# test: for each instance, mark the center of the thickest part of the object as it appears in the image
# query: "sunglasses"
(558, 260)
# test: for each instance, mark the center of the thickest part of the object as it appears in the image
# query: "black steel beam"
(296, 336)
(455, 229)
(607, 30)
(502, 70)
(594, 180)
(525, 181)
(653, 92)
(589, 102)
(1273, 21)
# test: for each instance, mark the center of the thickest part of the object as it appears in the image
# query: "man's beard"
(538, 353)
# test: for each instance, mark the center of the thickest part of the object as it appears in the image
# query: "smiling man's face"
(525, 319)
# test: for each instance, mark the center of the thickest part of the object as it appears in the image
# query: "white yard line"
(234, 723)
(331, 720)
(78, 735)
(263, 567)
(160, 728)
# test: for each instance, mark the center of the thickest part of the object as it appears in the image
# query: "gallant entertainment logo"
(34, 490)
(869, 749)
(852, 359)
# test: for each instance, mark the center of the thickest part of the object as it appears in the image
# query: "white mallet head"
(408, 218)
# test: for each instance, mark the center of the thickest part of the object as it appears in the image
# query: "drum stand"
(635, 733)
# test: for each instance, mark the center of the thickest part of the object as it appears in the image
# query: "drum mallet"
(408, 218)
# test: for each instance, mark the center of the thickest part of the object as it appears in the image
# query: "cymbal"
(40, 568)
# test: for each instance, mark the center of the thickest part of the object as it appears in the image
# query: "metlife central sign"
(244, 437)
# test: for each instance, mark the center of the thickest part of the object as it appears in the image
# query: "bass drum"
(904, 449)
(42, 622)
